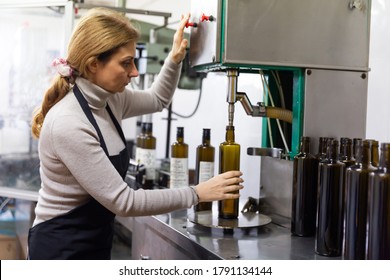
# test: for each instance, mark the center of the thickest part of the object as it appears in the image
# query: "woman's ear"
(92, 67)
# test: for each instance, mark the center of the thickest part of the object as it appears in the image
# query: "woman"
(82, 149)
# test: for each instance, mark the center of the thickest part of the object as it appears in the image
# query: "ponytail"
(55, 93)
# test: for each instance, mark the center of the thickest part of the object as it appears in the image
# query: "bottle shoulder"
(179, 144)
(205, 147)
(305, 156)
(332, 162)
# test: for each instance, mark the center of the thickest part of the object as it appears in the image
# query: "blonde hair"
(98, 35)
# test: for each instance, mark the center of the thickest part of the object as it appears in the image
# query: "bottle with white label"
(147, 155)
(139, 143)
(204, 169)
(179, 161)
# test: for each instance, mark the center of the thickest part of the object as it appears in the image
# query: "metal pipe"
(232, 93)
(243, 98)
(232, 85)
(128, 11)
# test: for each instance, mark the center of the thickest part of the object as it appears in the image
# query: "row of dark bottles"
(340, 195)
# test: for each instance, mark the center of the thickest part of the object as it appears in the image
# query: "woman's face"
(115, 74)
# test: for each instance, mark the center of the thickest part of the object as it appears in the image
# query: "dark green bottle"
(179, 161)
(346, 152)
(229, 159)
(378, 247)
(304, 193)
(356, 200)
(330, 211)
(204, 169)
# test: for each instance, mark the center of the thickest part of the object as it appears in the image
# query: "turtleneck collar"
(95, 95)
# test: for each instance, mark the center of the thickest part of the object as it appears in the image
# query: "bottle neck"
(355, 143)
(206, 137)
(385, 157)
(374, 154)
(305, 145)
(332, 150)
(180, 135)
(321, 146)
(363, 153)
(346, 148)
(230, 133)
(149, 129)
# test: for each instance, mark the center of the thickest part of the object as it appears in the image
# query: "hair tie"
(62, 67)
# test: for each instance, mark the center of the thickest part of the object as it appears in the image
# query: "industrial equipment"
(313, 57)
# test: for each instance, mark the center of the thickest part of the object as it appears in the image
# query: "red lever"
(193, 24)
(206, 18)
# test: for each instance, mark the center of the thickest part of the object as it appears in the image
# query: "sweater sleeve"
(78, 148)
(155, 98)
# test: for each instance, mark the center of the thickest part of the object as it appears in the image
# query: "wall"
(378, 113)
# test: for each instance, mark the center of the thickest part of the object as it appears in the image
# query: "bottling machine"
(313, 55)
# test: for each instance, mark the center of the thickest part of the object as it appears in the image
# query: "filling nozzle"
(232, 93)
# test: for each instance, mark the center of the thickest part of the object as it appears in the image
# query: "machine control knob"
(206, 18)
(192, 24)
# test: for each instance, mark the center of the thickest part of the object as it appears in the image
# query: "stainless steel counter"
(173, 236)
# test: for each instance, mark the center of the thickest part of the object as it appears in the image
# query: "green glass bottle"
(346, 152)
(356, 192)
(378, 247)
(229, 159)
(330, 211)
(179, 161)
(204, 168)
(304, 193)
(148, 155)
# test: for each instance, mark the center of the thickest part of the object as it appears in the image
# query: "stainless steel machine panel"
(331, 34)
(205, 40)
(335, 104)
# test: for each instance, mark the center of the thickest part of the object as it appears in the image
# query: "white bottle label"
(147, 157)
(137, 154)
(206, 170)
(179, 172)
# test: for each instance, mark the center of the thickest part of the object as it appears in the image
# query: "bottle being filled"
(356, 201)
(179, 161)
(304, 193)
(330, 210)
(204, 168)
(378, 247)
(148, 155)
(229, 159)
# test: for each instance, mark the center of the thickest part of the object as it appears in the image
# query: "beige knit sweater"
(74, 167)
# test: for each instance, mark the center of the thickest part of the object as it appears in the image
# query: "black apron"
(86, 232)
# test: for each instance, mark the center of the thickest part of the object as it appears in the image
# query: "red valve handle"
(206, 18)
(193, 24)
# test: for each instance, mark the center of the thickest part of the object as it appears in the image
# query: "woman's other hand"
(220, 187)
(179, 45)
